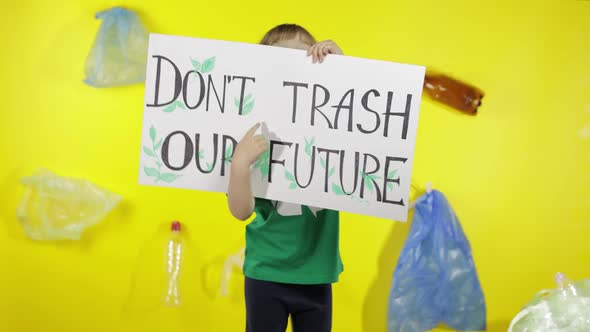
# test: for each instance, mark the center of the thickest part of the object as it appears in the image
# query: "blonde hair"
(287, 31)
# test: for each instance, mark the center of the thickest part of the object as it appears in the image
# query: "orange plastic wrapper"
(452, 92)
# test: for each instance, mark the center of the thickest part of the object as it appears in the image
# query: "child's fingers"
(324, 50)
(260, 150)
(252, 130)
(318, 53)
(262, 140)
(259, 139)
(314, 51)
(310, 51)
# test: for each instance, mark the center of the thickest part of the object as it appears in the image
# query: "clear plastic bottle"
(174, 253)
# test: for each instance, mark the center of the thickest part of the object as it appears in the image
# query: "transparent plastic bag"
(435, 280)
(565, 309)
(119, 54)
(59, 208)
(232, 262)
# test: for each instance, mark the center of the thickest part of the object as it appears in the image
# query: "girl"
(292, 255)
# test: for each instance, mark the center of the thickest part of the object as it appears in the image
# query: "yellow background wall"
(517, 174)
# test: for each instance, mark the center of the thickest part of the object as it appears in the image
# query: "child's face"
(294, 43)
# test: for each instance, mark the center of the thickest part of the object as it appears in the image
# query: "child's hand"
(323, 48)
(249, 148)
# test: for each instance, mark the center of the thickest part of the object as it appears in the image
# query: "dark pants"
(269, 304)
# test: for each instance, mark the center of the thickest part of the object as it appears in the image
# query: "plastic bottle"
(454, 93)
(174, 252)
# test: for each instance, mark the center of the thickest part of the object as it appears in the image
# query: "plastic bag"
(435, 279)
(58, 208)
(233, 261)
(119, 54)
(565, 309)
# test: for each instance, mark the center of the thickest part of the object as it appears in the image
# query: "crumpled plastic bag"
(119, 54)
(435, 280)
(565, 309)
(59, 208)
(233, 261)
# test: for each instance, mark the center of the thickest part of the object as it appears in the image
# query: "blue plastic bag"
(119, 54)
(435, 279)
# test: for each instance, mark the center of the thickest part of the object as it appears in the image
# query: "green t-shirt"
(293, 244)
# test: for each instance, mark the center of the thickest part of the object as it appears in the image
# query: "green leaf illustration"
(196, 64)
(322, 163)
(262, 163)
(151, 171)
(248, 97)
(168, 177)
(237, 102)
(293, 185)
(170, 108)
(201, 154)
(390, 177)
(289, 176)
(179, 104)
(227, 155)
(209, 167)
(148, 152)
(157, 146)
(332, 171)
(208, 65)
(309, 147)
(391, 174)
(369, 184)
(264, 156)
(153, 133)
(264, 169)
(248, 108)
(337, 189)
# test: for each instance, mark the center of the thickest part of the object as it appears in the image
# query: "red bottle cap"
(175, 227)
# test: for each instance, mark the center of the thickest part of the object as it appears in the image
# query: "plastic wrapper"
(435, 280)
(119, 54)
(59, 208)
(565, 309)
(459, 95)
(234, 261)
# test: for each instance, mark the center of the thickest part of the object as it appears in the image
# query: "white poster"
(341, 134)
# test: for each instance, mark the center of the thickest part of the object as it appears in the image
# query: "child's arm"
(323, 48)
(239, 194)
